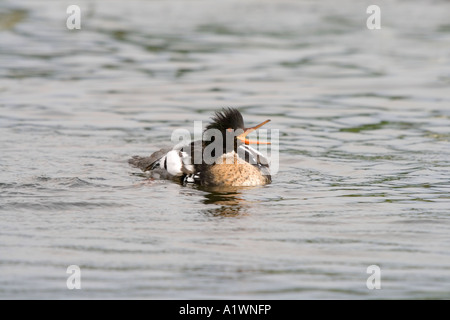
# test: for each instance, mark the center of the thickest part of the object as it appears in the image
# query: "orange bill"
(243, 135)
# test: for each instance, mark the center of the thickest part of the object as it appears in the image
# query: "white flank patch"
(174, 163)
(186, 159)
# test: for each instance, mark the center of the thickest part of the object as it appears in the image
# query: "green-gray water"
(364, 120)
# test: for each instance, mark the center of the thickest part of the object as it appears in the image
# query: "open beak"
(243, 135)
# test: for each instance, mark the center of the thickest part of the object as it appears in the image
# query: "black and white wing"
(167, 163)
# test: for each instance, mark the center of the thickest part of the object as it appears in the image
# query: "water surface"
(364, 178)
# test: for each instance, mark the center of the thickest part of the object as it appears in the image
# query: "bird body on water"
(232, 164)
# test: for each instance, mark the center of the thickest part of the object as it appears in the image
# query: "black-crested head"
(228, 118)
(228, 126)
(223, 126)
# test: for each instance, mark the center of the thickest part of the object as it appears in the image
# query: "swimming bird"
(222, 158)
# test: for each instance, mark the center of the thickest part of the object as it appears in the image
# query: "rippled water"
(364, 120)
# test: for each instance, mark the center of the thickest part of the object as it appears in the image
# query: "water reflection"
(228, 201)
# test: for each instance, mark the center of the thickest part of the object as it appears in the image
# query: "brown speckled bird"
(230, 162)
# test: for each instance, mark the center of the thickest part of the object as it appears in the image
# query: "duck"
(222, 158)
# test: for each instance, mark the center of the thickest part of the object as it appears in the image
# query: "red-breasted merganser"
(230, 162)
